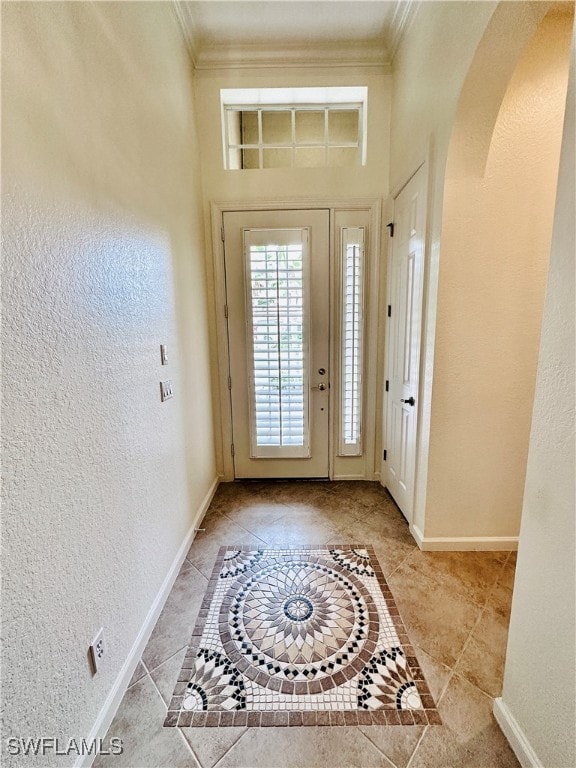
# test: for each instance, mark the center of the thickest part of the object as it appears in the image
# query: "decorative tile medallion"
(302, 636)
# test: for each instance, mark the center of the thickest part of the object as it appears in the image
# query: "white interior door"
(277, 293)
(405, 280)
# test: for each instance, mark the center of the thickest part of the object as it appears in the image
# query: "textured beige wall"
(541, 696)
(428, 72)
(495, 244)
(103, 261)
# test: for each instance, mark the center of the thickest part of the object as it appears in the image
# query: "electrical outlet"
(166, 390)
(97, 650)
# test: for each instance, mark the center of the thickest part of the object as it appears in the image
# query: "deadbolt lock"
(321, 371)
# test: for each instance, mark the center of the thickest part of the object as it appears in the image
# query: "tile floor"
(455, 607)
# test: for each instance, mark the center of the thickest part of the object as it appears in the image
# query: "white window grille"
(276, 263)
(299, 137)
(352, 339)
(294, 128)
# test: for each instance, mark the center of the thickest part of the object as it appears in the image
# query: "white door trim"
(373, 206)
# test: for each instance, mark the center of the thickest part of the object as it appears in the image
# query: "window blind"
(278, 342)
(352, 298)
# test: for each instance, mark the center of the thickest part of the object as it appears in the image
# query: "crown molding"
(188, 27)
(292, 55)
(404, 14)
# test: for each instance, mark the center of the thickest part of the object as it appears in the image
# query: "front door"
(277, 292)
(405, 278)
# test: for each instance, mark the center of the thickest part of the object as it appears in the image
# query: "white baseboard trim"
(114, 698)
(463, 543)
(515, 736)
(350, 477)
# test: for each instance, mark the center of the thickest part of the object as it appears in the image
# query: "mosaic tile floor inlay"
(303, 636)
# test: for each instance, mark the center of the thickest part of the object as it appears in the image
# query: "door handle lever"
(321, 387)
(410, 401)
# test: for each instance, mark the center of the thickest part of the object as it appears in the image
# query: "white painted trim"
(188, 27)
(349, 477)
(302, 203)
(401, 21)
(400, 187)
(222, 344)
(262, 56)
(515, 735)
(117, 691)
(427, 342)
(464, 543)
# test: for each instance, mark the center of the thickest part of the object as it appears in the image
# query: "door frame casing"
(371, 405)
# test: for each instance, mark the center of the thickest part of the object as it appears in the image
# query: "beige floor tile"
(384, 523)
(253, 516)
(289, 531)
(507, 576)
(166, 674)
(335, 747)
(386, 532)
(367, 493)
(220, 525)
(500, 600)
(146, 743)
(328, 509)
(176, 622)
(469, 735)
(437, 619)
(285, 492)
(436, 674)
(231, 494)
(482, 662)
(396, 742)
(202, 553)
(471, 574)
(211, 744)
(139, 673)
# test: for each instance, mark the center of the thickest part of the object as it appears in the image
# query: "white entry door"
(277, 292)
(405, 279)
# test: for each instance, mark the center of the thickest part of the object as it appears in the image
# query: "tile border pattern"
(177, 716)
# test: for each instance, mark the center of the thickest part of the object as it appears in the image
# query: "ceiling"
(226, 33)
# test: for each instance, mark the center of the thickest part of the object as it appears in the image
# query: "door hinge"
(222, 232)
(385, 454)
(232, 451)
(226, 311)
(229, 382)
(391, 228)
(389, 310)
(387, 385)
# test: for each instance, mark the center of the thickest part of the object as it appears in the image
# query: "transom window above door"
(294, 128)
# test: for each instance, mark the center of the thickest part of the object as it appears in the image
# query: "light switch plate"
(166, 390)
(163, 354)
